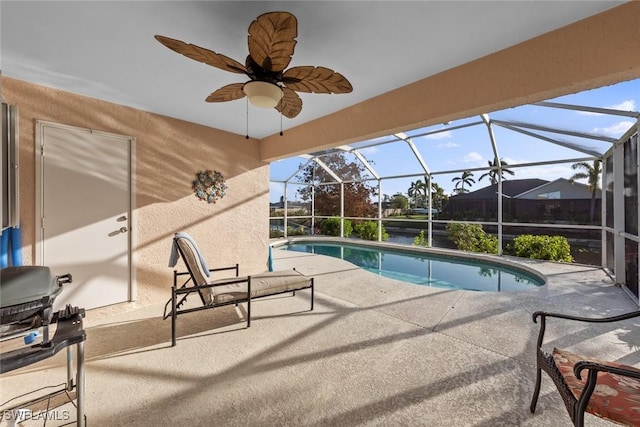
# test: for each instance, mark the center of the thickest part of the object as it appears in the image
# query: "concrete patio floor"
(374, 351)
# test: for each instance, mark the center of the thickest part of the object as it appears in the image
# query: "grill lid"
(19, 285)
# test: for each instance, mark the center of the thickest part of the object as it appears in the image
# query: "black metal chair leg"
(174, 315)
(536, 391)
(249, 302)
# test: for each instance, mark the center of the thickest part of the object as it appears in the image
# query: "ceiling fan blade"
(290, 105)
(272, 40)
(227, 93)
(316, 80)
(201, 54)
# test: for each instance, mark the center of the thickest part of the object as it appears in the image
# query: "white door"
(84, 213)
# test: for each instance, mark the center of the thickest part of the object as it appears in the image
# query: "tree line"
(358, 193)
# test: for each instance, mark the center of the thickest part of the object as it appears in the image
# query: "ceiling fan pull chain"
(281, 123)
(247, 104)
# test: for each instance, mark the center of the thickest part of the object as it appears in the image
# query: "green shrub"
(471, 237)
(368, 230)
(273, 233)
(331, 227)
(298, 231)
(552, 248)
(420, 240)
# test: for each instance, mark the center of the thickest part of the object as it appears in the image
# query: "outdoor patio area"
(374, 351)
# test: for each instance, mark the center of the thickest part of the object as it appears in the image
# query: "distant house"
(559, 200)
(483, 203)
(527, 200)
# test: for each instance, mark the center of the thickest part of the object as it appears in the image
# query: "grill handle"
(65, 278)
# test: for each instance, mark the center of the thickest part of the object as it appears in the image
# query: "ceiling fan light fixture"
(263, 94)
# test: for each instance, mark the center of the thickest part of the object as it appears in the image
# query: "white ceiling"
(106, 50)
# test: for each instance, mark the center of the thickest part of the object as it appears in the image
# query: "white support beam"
(328, 170)
(497, 165)
(554, 130)
(588, 109)
(415, 151)
(342, 209)
(492, 139)
(366, 163)
(553, 141)
(379, 210)
(618, 213)
(286, 212)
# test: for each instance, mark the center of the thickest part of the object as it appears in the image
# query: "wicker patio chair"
(610, 391)
(221, 292)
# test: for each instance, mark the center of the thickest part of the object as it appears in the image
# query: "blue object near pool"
(427, 269)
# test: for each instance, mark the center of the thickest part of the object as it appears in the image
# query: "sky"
(470, 147)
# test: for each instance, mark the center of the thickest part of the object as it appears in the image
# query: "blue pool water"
(426, 269)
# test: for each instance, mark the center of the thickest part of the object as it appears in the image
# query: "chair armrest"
(234, 267)
(212, 270)
(596, 366)
(543, 317)
(220, 282)
(543, 314)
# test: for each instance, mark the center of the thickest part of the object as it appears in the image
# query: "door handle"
(117, 232)
(122, 218)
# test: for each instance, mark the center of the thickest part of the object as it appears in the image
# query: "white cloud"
(369, 150)
(439, 135)
(548, 172)
(629, 105)
(616, 129)
(512, 161)
(450, 144)
(473, 157)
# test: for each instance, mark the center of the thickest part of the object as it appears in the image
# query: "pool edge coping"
(492, 258)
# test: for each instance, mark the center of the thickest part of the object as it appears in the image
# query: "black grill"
(28, 294)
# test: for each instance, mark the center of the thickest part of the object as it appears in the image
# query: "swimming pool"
(426, 269)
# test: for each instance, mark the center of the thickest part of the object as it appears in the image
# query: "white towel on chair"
(173, 258)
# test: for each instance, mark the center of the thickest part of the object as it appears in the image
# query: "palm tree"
(438, 196)
(465, 178)
(493, 173)
(592, 174)
(418, 192)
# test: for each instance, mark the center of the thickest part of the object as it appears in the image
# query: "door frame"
(132, 211)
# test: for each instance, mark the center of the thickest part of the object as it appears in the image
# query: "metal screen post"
(286, 209)
(342, 209)
(379, 210)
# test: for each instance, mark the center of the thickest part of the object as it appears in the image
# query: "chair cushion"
(262, 284)
(616, 397)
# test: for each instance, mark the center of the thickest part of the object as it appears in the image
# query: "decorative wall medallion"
(209, 186)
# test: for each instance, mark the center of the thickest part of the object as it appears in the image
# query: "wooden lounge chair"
(221, 292)
(605, 389)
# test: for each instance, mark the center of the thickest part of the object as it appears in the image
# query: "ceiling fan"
(271, 45)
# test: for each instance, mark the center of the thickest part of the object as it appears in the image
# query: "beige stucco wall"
(597, 51)
(168, 153)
